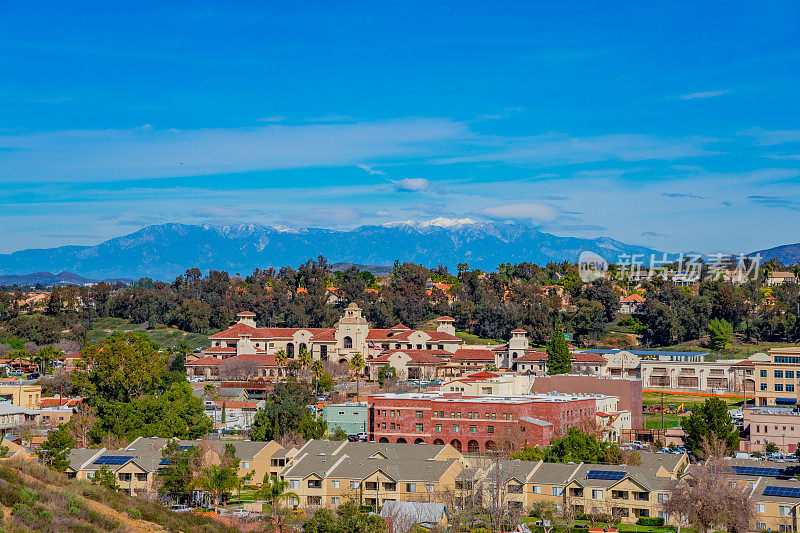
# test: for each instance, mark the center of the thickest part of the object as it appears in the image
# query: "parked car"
(241, 512)
(363, 437)
(180, 508)
(352, 438)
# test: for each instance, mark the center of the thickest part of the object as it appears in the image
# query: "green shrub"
(136, 514)
(655, 521)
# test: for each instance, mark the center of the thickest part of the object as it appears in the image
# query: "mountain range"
(166, 251)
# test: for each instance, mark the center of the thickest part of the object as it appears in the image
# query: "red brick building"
(476, 423)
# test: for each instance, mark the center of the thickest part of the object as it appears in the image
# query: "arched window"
(438, 442)
(490, 446)
(302, 347)
(419, 441)
(473, 446)
(455, 443)
(290, 350)
(383, 440)
(401, 440)
(348, 342)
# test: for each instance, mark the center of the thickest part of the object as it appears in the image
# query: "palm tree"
(357, 364)
(280, 357)
(318, 368)
(274, 489)
(217, 480)
(304, 358)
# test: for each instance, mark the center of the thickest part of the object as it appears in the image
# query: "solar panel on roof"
(165, 462)
(112, 460)
(757, 471)
(790, 492)
(605, 474)
(187, 447)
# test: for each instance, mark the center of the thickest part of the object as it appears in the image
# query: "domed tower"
(351, 331)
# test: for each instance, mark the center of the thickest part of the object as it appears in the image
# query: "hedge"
(656, 521)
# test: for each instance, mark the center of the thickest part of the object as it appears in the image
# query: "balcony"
(515, 489)
(641, 496)
(619, 494)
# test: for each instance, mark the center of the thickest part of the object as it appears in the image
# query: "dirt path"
(129, 523)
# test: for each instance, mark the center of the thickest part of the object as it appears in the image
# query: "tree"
(339, 434)
(209, 391)
(317, 369)
(720, 333)
(280, 357)
(45, 357)
(771, 447)
(218, 480)
(273, 490)
(176, 476)
(81, 423)
(285, 412)
(57, 447)
(709, 422)
(705, 499)
(304, 358)
(106, 478)
(357, 364)
(124, 366)
(559, 360)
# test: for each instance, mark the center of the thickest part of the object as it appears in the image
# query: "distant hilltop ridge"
(165, 251)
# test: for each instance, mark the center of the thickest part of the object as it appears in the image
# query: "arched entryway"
(473, 446)
(490, 446)
(401, 440)
(455, 443)
(438, 442)
(290, 350)
(419, 441)
(383, 440)
(343, 361)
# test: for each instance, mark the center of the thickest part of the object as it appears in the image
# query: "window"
(763, 373)
(141, 477)
(419, 414)
(430, 487)
(784, 510)
(314, 484)
(762, 526)
(124, 477)
(663, 497)
(779, 373)
(355, 485)
(789, 388)
(383, 426)
(411, 487)
(473, 429)
(664, 515)
(438, 427)
(348, 342)
(335, 484)
(245, 464)
(419, 428)
(487, 416)
(784, 528)
(294, 483)
(469, 415)
(597, 494)
(763, 386)
(455, 428)
(761, 508)
(494, 415)
(335, 500)
(489, 429)
(90, 475)
(392, 426)
(557, 491)
(536, 489)
(778, 387)
(790, 374)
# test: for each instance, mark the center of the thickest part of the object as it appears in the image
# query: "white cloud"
(146, 152)
(703, 94)
(370, 170)
(768, 138)
(412, 185)
(534, 212)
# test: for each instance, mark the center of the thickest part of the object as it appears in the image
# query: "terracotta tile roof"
(205, 361)
(533, 356)
(220, 349)
(416, 356)
(400, 327)
(633, 298)
(446, 319)
(325, 336)
(472, 354)
(234, 331)
(246, 313)
(402, 335)
(518, 330)
(237, 404)
(588, 358)
(744, 363)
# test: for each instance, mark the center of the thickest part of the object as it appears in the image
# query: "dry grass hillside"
(34, 498)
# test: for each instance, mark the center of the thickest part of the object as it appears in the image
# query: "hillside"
(166, 251)
(787, 254)
(34, 498)
(49, 279)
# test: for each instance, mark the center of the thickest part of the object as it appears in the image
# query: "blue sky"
(673, 124)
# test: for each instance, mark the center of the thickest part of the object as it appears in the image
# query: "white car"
(241, 512)
(180, 508)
